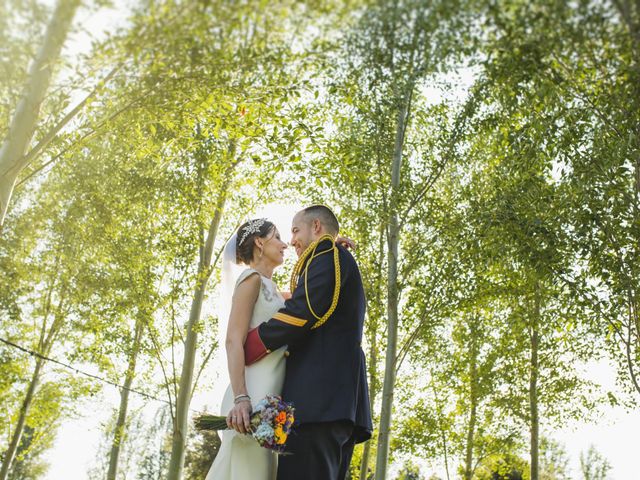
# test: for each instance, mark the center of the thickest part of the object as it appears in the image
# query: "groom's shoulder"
(324, 257)
(346, 257)
(321, 254)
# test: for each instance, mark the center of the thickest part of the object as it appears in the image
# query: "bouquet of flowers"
(271, 422)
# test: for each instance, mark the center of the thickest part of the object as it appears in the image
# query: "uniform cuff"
(254, 348)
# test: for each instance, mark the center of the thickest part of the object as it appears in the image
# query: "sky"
(615, 434)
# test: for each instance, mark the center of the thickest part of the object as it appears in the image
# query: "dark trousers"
(318, 451)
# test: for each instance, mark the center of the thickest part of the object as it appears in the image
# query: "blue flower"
(263, 433)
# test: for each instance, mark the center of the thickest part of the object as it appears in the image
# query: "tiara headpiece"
(253, 226)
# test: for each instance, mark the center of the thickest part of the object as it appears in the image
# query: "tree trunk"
(364, 465)
(393, 295)
(119, 433)
(180, 427)
(24, 121)
(468, 466)
(533, 387)
(373, 350)
(473, 374)
(373, 361)
(28, 398)
(17, 433)
(442, 431)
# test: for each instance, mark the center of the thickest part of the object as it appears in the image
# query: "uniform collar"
(324, 244)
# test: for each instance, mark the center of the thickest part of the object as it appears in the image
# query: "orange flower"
(281, 418)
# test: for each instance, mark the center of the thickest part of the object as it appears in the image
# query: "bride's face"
(274, 247)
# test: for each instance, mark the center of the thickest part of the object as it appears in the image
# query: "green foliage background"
(515, 129)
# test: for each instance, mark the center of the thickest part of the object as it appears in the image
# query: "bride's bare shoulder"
(246, 274)
(248, 284)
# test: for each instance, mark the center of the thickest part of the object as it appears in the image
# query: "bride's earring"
(261, 249)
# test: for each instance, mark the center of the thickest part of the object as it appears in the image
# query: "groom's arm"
(296, 319)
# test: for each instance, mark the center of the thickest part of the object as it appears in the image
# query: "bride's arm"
(244, 299)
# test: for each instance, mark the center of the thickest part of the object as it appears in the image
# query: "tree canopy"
(484, 156)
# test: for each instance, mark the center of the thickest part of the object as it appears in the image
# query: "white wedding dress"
(240, 457)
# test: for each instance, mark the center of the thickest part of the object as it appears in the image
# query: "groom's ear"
(317, 226)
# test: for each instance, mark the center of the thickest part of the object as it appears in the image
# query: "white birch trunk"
(392, 299)
(120, 430)
(25, 118)
(45, 348)
(533, 387)
(181, 421)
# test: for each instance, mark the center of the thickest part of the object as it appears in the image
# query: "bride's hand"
(239, 418)
(346, 242)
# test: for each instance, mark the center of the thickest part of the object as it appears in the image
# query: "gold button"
(286, 353)
(268, 351)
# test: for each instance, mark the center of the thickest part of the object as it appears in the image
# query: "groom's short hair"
(325, 215)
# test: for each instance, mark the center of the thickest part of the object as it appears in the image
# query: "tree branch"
(164, 372)
(46, 140)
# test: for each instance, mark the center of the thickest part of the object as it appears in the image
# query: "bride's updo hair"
(247, 233)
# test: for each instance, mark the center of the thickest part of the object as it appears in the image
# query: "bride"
(254, 299)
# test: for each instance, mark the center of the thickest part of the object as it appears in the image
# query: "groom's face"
(301, 233)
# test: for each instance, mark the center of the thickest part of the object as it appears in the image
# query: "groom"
(326, 374)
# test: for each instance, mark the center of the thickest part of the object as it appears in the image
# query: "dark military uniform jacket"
(326, 373)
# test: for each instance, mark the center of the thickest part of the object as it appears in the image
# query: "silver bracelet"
(240, 398)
